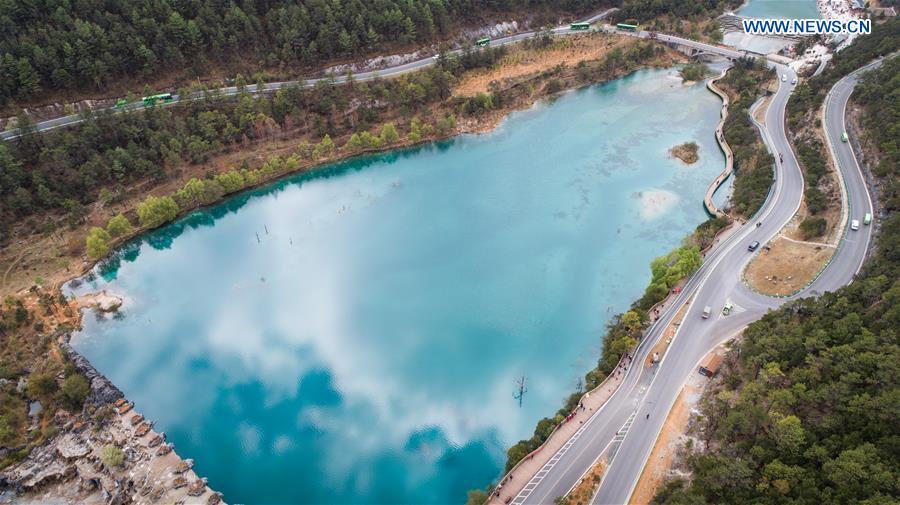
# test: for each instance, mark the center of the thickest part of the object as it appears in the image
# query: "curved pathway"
(726, 150)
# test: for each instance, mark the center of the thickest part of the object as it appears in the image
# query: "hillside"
(48, 47)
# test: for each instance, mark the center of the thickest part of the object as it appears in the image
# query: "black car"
(753, 245)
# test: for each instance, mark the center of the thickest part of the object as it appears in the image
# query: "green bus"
(579, 26)
(154, 99)
(483, 42)
(627, 27)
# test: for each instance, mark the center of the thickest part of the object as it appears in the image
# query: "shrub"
(813, 227)
(75, 390)
(97, 242)
(198, 192)
(554, 86)
(41, 386)
(389, 134)
(112, 456)
(118, 226)
(324, 148)
(363, 140)
(230, 181)
(446, 125)
(478, 104)
(694, 72)
(816, 201)
(154, 211)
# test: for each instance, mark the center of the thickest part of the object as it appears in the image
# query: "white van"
(854, 225)
(706, 312)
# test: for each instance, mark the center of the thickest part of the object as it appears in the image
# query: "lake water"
(356, 335)
(787, 9)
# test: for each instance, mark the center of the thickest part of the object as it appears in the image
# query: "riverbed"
(357, 334)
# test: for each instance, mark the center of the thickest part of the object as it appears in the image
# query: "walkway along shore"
(564, 434)
(723, 145)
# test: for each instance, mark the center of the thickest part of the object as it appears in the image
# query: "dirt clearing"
(787, 267)
(568, 51)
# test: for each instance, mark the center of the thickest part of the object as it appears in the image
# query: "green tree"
(97, 242)
(415, 130)
(789, 434)
(41, 386)
(231, 181)
(446, 124)
(813, 227)
(29, 82)
(632, 321)
(324, 148)
(155, 211)
(119, 225)
(389, 134)
(860, 472)
(354, 143)
(75, 390)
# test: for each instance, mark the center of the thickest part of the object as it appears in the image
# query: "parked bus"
(483, 42)
(627, 27)
(580, 26)
(154, 99)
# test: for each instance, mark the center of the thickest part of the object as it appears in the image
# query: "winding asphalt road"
(394, 71)
(632, 418)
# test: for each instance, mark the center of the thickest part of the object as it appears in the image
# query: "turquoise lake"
(787, 9)
(355, 335)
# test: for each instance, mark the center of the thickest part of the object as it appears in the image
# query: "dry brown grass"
(522, 62)
(585, 489)
(787, 267)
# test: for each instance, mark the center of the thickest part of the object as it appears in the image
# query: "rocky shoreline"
(103, 391)
(108, 453)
